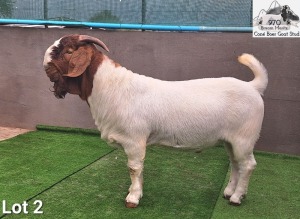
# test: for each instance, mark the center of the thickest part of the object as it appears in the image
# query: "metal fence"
(211, 13)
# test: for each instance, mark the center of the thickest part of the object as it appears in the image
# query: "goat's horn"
(89, 39)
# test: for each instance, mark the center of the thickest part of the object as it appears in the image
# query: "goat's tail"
(260, 81)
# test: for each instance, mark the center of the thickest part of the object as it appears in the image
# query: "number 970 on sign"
(274, 22)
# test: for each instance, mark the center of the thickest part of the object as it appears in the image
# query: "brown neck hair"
(82, 85)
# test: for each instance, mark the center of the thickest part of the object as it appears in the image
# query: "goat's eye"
(70, 51)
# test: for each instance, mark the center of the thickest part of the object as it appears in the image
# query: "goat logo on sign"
(277, 21)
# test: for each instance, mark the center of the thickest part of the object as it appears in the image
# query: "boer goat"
(134, 111)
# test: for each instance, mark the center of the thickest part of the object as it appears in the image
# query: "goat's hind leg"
(246, 164)
(234, 173)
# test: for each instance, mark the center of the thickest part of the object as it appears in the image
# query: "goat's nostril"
(60, 96)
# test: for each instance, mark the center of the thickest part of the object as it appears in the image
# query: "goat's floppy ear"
(80, 60)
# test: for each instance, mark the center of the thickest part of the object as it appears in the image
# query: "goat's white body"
(188, 114)
(133, 111)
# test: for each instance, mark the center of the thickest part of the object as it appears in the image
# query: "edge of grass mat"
(276, 155)
(67, 129)
(42, 127)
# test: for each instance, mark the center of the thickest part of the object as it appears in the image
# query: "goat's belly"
(185, 145)
(192, 140)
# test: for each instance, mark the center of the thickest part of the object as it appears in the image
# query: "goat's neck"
(111, 86)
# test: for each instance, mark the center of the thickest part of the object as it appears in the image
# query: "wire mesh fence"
(218, 13)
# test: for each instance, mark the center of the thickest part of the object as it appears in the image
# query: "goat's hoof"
(234, 203)
(226, 197)
(130, 205)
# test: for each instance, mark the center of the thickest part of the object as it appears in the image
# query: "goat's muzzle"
(54, 73)
(60, 90)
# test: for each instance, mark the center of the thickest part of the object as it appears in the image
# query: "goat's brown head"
(71, 63)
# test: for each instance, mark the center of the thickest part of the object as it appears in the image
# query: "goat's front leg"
(136, 156)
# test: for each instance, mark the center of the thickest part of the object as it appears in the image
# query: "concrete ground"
(8, 132)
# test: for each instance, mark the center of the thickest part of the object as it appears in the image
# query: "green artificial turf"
(177, 184)
(32, 162)
(76, 175)
(274, 190)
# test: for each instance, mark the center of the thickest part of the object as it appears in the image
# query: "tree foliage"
(105, 16)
